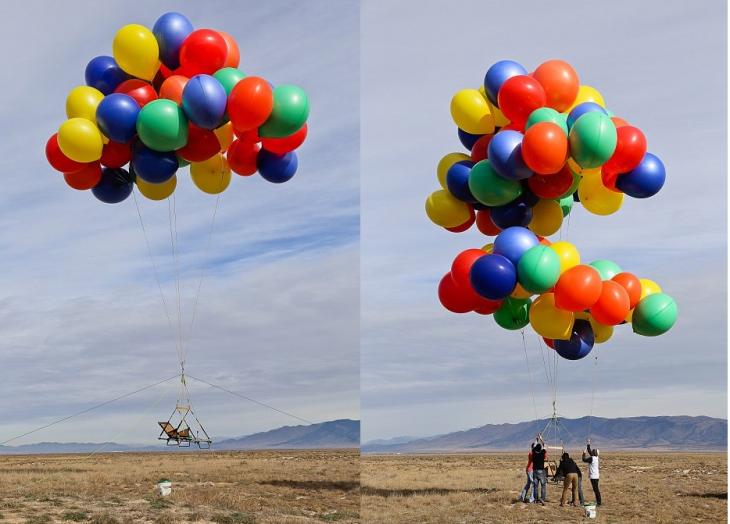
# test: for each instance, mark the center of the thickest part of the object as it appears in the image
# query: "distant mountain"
(344, 433)
(632, 433)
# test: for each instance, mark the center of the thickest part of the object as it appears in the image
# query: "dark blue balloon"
(204, 101)
(457, 181)
(580, 110)
(498, 74)
(505, 155)
(276, 168)
(478, 206)
(103, 73)
(467, 139)
(513, 242)
(527, 197)
(116, 116)
(580, 343)
(576, 198)
(644, 180)
(512, 214)
(493, 277)
(170, 31)
(153, 166)
(115, 185)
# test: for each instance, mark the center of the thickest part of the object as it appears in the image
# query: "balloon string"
(593, 391)
(173, 234)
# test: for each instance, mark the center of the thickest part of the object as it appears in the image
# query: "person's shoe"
(541, 503)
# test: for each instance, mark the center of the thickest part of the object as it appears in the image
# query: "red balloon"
(484, 306)
(204, 51)
(479, 149)
(549, 342)
(545, 148)
(452, 297)
(609, 179)
(162, 74)
(58, 160)
(172, 88)
(560, 82)
(519, 96)
(233, 55)
(252, 135)
(466, 225)
(632, 285)
(141, 91)
(202, 144)
(551, 186)
(612, 305)
(544, 241)
(250, 103)
(116, 154)
(512, 126)
(485, 224)
(578, 288)
(242, 157)
(461, 266)
(630, 150)
(87, 178)
(283, 145)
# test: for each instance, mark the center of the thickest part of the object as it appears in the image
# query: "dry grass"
(276, 487)
(482, 488)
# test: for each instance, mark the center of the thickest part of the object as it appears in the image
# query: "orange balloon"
(619, 122)
(250, 103)
(578, 288)
(545, 148)
(544, 241)
(172, 88)
(632, 285)
(612, 305)
(233, 58)
(560, 82)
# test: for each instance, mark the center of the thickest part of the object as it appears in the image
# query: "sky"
(426, 371)
(80, 311)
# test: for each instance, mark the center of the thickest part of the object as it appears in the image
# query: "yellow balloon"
(225, 135)
(520, 292)
(80, 140)
(648, 287)
(446, 162)
(601, 332)
(597, 198)
(549, 321)
(547, 217)
(157, 191)
(82, 101)
(211, 176)
(470, 111)
(587, 94)
(499, 119)
(488, 248)
(567, 253)
(445, 210)
(136, 51)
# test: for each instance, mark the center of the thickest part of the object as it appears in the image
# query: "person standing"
(528, 485)
(572, 480)
(539, 475)
(590, 456)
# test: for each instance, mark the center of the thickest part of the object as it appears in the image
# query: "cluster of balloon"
(169, 97)
(536, 143)
(524, 279)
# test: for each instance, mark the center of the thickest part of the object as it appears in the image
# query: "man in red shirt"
(526, 490)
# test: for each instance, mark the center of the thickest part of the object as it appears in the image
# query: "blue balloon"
(580, 110)
(204, 101)
(153, 166)
(644, 180)
(580, 343)
(103, 73)
(493, 277)
(115, 185)
(512, 214)
(498, 74)
(457, 181)
(276, 168)
(513, 242)
(505, 155)
(467, 139)
(170, 31)
(116, 116)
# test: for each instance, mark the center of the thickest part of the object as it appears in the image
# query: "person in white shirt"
(590, 456)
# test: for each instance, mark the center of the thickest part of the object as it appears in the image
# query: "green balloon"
(162, 125)
(548, 114)
(592, 139)
(290, 112)
(229, 77)
(538, 269)
(514, 313)
(606, 268)
(573, 187)
(566, 204)
(654, 315)
(491, 189)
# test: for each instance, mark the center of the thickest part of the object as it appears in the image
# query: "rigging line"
(84, 411)
(244, 397)
(173, 235)
(545, 365)
(529, 373)
(593, 390)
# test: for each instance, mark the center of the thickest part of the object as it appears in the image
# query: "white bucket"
(590, 511)
(165, 487)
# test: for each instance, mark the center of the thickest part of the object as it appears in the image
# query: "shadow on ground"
(313, 484)
(382, 492)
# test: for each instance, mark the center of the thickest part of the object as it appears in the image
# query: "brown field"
(276, 487)
(483, 488)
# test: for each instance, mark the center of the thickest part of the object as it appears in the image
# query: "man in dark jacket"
(590, 457)
(572, 479)
(539, 475)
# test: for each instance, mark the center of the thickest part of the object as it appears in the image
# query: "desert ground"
(483, 488)
(262, 487)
